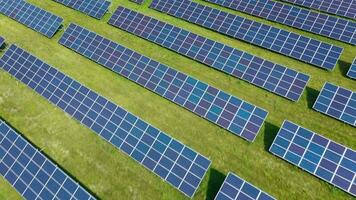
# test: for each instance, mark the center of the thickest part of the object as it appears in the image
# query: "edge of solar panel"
(352, 71)
(100, 16)
(327, 114)
(291, 163)
(352, 38)
(49, 36)
(151, 171)
(231, 174)
(2, 42)
(259, 129)
(3, 122)
(139, 2)
(260, 46)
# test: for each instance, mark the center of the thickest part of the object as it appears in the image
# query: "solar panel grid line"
(252, 32)
(262, 73)
(93, 8)
(340, 8)
(112, 122)
(2, 41)
(31, 16)
(316, 154)
(186, 91)
(235, 188)
(138, 1)
(40, 174)
(352, 71)
(337, 102)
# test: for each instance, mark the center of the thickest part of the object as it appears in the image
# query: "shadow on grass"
(270, 133)
(344, 67)
(3, 47)
(64, 170)
(216, 179)
(312, 95)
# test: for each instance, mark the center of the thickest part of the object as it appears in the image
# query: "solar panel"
(302, 48)
(31, 173)
(352, 71)
(278, 79)
(344, 8)
(231, 113)
(304, 19)
(235, 188)
(93, 8)
(317, 155)
(2, 41)
(138, 1)
(337, 102)
(31, 16)
(166, 157)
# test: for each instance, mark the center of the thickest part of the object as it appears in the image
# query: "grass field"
(110, 174)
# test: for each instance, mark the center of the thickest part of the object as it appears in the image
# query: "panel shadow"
(312, 95)
(216, 178)
(270, 133)
(344, 67)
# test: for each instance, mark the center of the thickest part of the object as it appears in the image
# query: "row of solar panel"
(306, 49)
(318, 23)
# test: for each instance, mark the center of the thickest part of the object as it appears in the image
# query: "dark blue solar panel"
(352, 71)
(93, 8)
(2, 41)
(235, 188)
(31, 16)
(229, 112)
(319, 23)
(166, 157)
(317, 155)
(306, 49)
(262, 73)
(344, 8)
(337, 102)
(138, 1)
(31, 173)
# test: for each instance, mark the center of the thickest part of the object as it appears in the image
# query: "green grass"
(110, 174)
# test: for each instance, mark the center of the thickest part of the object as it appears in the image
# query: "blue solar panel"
(2, 41)
(166, 157)
(262, 73)
(302, 48)
(352, 71)
(235, 188)
(229, 112)
(31, 16)
(31, 173)
(317, 155)
(93, 8)
(138, 1)
(344, 8)
(337, 102)
(318, 23)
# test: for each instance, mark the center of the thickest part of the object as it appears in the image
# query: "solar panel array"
(229, 112)
(318, 23)
(93, 8)
(317, 155)
(2, 41)
(352, 71)
(338, 7)
(278, 79)
(337, 102)
(235, 188)
(31, 173)
(31, 16)
(171, 160)
(138, 1)
(306, 49)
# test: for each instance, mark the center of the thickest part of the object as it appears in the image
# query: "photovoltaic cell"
(344, 8)
(262, 73)
(166, 157)
(229, 112)
(352, 71)
(31, 173)
(138, 1)
(93, 8)
(235, 188)
(337, 102)
(31, 16)
(304, 19)
(306, 49)
(317, 155)
(2, 41)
